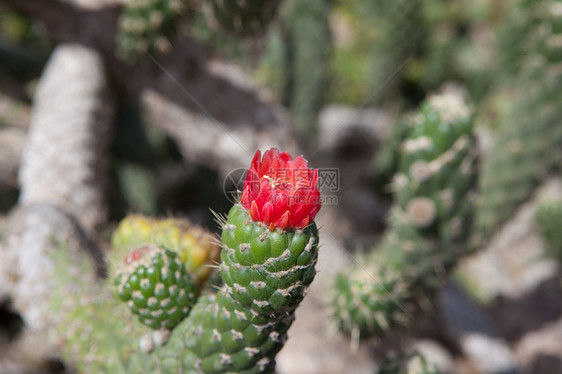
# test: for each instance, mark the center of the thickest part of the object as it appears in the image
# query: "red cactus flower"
(281, 192)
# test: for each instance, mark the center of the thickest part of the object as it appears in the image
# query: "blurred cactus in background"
(429, 222)
(147, 26)
(548, 216)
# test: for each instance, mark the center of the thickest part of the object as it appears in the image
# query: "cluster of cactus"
(243, 18)
(528, 142)
(146, 26)
(429, 221)
(160, 269)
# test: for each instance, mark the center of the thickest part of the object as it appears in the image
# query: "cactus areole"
(281, 192)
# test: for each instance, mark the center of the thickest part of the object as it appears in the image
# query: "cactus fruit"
(267, 263)
(145, 26)
(429, 220)
(155, 284)
(243, 18)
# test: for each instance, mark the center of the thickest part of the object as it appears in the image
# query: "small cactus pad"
(156, 286)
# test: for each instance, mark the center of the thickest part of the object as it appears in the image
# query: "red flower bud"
(281, 192)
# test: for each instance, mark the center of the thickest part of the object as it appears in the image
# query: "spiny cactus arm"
(93, 331)
(63, 160)
(32, 234)
(265, 274)
(433, 188)
(270, 249)
(520, 19)
(400, 34)
(527, 144)
(308, 49)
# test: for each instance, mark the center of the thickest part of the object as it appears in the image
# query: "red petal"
(300, 163)
(256, 160)
(254, 211)
(267, 213)
(302, 224)
(283, 222)
(268, 159)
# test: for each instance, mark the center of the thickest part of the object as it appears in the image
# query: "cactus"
(268, 257)
(145, 27)
(528, 142)
(156, 285)
(548, 217)
(385, 162)
(243, 18)
(428, 222)
(522, 17)
(410, 363)
(398, 41)
(308, 50)
(196, 247)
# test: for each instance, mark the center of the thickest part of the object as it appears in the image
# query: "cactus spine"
(428, 222)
